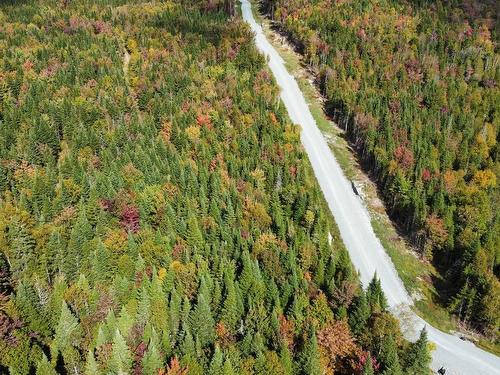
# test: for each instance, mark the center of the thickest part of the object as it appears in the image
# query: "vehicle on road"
(354, 188)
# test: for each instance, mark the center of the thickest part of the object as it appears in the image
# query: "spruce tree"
(217, 362)
(68, 333)
(174, 313)
(5, 284)
(229, 315)
(228, 368)
(144, 306)
(158, 303)
(152, 360)
(81, 232)
(359, 314)
(125, 321)
(286, 359)
(194, 237)
(375, 295)
(419, 358)
(188, 345)
(310, 359)
(368, 366)
(121, 357)
(44, 367)
(390, 358)
(91, 366)
(202, 322)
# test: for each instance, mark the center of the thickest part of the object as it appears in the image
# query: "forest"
(157, 212)
(415, 85)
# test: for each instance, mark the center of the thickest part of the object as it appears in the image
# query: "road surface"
(365, 250)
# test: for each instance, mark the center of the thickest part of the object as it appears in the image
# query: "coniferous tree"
(91, 366)
(310, 357)
(202, 322)
(81, 232)
(419, 358)
(229, 314)
(121, 357)
(286, 360)
(194, 236)
(44, 367)
(174, 313)
(67, 336)
(217, 362)
(228, 368)
(360, 312)
(152, 360)
(368, 366)
(390, 358)
(375, 295)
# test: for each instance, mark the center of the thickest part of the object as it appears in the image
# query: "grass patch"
(409, 270)
(434, 315)
(492, 347)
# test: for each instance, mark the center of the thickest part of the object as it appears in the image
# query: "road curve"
(353, 220)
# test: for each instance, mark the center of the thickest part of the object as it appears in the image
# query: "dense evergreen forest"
(416, 86)
(157, 212)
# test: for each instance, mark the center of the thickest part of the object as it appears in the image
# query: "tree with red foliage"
(129, 218)
(404, 157)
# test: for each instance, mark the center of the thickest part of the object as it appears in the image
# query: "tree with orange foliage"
(336, 343)
(174, 368)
